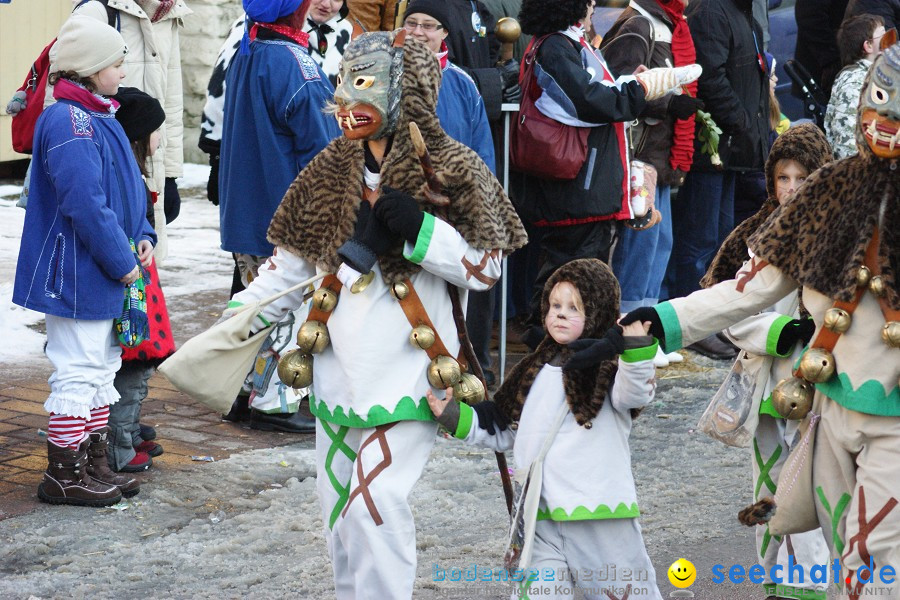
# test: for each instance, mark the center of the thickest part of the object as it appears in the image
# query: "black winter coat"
(734, 86)
(596, 193)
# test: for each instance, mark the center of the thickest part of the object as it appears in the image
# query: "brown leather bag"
(539, 145)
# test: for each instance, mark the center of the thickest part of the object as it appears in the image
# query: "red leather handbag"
(539, 145)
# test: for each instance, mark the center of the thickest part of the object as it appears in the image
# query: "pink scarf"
(67, 90)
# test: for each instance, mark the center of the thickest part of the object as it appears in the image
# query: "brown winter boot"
(67, 482)
(98, 467)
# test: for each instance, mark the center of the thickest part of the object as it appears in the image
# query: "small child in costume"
(86, 214)
(588, 502)
(781, 333)
(141, 116)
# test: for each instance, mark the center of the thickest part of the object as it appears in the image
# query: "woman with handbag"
(85, 217)
(570, 138)
(780, 335)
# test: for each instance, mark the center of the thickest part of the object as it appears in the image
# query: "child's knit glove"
(659, 82)
(400, 213)
(645, 314)
(17, 104)
(490, 418)
(370, 240)
(797, 330)
(591, 352)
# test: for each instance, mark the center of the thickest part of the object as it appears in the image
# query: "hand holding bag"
(539, 145)
(212, 366)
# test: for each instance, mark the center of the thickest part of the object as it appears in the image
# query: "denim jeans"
(640, 258)
(702, 217)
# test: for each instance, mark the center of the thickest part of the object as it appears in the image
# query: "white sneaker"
(674, 357)
(661, 360)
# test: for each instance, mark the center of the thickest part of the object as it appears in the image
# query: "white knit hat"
(86, 46)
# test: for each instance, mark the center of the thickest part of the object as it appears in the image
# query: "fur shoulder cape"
(319, 210)
(820, 237)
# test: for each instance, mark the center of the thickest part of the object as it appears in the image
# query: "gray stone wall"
(202, 36)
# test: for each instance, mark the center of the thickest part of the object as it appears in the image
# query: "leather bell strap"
(826, 339)
(334, 284)
(874, 265)
(416, 315)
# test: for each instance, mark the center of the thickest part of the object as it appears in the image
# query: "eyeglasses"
(411, 25)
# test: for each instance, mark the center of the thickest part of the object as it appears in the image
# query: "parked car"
(782, 41)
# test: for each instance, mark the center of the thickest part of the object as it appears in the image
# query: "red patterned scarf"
(681, 155)
(301, 37)
(156, 9)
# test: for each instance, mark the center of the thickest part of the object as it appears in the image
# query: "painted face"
(367, 98)
(565, 318)
(789, 174)
(879, 106)
(324, 10)
(107, 80)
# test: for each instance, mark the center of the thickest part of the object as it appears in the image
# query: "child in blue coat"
(87, 204)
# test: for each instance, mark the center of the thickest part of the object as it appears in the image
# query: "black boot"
(240, 410)
(286, 422)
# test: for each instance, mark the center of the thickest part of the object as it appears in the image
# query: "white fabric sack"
(212, 366)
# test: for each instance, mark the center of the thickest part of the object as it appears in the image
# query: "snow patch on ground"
(195, 176)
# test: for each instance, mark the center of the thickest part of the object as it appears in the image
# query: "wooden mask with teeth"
(367, 98)
(878, 120)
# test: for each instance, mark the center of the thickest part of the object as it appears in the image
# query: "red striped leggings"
(66, 431)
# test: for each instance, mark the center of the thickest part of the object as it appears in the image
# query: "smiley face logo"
(682, 573)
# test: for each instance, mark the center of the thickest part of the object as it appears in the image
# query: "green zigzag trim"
(869, 398)
(406, 410)
(581, 513)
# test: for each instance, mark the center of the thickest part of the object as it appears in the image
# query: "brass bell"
(890, 333)
(399, 290)
(362, 283)
(837, 320)
(469, 389)
(324, 299)
(444, 372)
(863, 276)
(876, 286)
(792, 398)
(422, 337)
(295, 369)
(312, 337)
(817, 365)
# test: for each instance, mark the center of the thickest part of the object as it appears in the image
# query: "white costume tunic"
(588, 497)
(374, 429)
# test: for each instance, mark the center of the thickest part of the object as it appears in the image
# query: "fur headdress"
(585, 389)
(319, 210)
(804, 143)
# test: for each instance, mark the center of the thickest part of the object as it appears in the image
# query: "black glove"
(490, 418)
(643, 314)
(591, 352)
(798, 330)
(400, 213)
(509, 77)
(370, 240)
(171, 200)
(212, 186)
(684, 106)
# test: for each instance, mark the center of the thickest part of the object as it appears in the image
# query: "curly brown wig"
(540, 17)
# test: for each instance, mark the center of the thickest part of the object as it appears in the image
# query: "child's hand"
(132, 276)
(145, 252)
(636, 329)
(437, 405)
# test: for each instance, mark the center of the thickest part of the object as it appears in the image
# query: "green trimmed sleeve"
(465, 421)
(423, 241)
(632, 355)
(671, 326)
(774, 333)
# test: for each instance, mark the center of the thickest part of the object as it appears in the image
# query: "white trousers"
(86, 356)
(364, 477)
(604, 559)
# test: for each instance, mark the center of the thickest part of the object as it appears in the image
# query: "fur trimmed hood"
(586, 389)
(804, 143)
(319, 210)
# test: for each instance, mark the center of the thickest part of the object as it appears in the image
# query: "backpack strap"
(112, 14)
